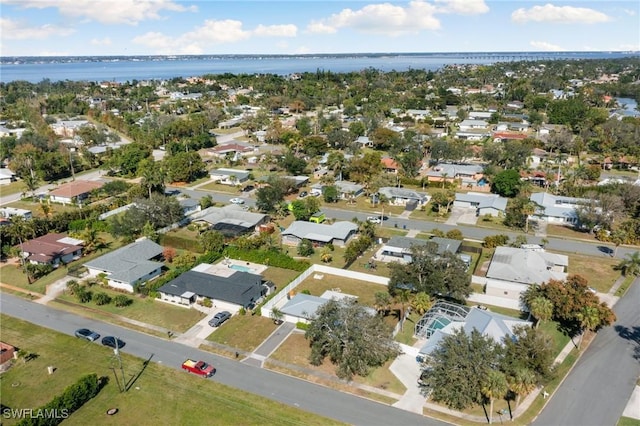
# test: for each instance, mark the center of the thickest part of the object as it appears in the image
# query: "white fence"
(281, 297)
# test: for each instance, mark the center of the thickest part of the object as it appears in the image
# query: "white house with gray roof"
(231, 220)
(303, 307)
(557, 209)
(229, 176)
(399, 249)
(403, 196)
(491, 204)
(338, 233)
(512, 270)
(128, 266)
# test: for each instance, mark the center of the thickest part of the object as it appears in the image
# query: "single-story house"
(364, 141)
(52, 249)
(232, 220)
(9, 212)
(232, 290)
(346, 189)
(389, 165)
(439, 322)
(398, 249)
(302, 307)
(74, 192)
(469, 174)
(128, 266)
(470, 124)
(104, 148)
(235, 148)
(512, 270)
(190, 206)
(6, 176)
(557, 209)
(402, 196)
(298, 181)
(337, 233)
(229, 176)
(68, 128)
(491, 204)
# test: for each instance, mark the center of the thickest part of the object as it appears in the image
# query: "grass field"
(364, 290)
(245, 332)
(599, 272)
(147, 310)
(160, 396)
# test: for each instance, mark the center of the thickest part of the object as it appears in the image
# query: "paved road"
(597, 390)
(470, 232)
(288, 390)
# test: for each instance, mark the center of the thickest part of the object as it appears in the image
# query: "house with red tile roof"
(74, 192)
(389, 165)
(52, 249)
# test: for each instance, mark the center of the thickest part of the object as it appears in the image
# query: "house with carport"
(231, 220)
(129, 266)
(403, 196)
(338, 233)
(484, 204)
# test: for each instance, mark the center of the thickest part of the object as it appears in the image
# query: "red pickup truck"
(199, 367)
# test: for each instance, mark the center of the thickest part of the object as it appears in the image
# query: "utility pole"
(73, 174)
(117, 352)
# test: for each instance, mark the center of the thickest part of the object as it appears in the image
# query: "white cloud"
(276, 30)
(548, 47)
(101, 42)
(14, 30)
(317, 27)
(559, 14)
(107, 12)
(462, 7)
(383, 18)
(629, 12)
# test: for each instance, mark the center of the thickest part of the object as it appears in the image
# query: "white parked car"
(374, 219)
(237, 200)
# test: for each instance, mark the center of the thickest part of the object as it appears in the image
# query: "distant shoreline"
(163, 67)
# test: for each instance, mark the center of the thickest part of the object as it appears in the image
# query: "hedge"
(267, 257)
(62, 406)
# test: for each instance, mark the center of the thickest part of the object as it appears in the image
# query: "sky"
(175, 27)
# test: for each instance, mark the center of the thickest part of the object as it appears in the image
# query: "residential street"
(288, 390)
(597, 390)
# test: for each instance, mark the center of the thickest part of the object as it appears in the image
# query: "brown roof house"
(74, 192)
(52, 249)
(6, 352)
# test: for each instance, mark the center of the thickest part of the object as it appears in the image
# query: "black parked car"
(111, 342)
(85, 333)
(248, 188)
(219, 318)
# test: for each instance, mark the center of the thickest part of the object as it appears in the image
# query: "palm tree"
(494, 386)
(92, 240)
(528, 208)
(382, 302)
(631, 264)
(153, 178)
(619, 236)
(522, 382)
(421, 302)
(589, 317)
(19, 230)
(542, 309)
(402, 297)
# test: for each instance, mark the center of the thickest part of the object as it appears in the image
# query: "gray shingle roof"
(231, 214)
(240, 288)
(526, 266)
(393, 192)
(303, 305)
(483, 200)
(130, 262)
(321, 232)
(444, 244)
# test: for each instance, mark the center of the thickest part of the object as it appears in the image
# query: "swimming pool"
(241, 268)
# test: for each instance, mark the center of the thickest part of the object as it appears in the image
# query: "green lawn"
(598, 271)
(160, 396)
(221, 188)
(364, 290)
(147, 310)
(279, 276)
(568, 232)
(628, 421)
(245, 332)
(12, 188)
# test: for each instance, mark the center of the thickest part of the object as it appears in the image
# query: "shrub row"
(267, 257)
(61, 407)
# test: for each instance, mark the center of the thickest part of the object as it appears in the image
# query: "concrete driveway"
(462, 215)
